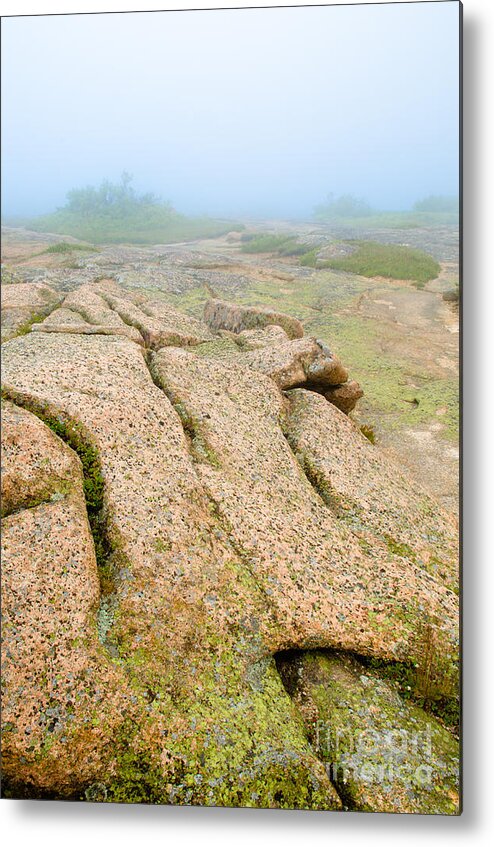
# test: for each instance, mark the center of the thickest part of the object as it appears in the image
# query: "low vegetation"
(354, 213)
(115, 213)
(68, 247)
(284, 245)
(369, 258)
(372, 259)
(437, 203)
(368, 432)
(344, 206)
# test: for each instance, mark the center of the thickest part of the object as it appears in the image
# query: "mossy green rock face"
(383, 754)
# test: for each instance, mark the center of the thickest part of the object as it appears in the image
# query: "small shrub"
(67, 247)
(452, 296)
(116, 214)
(309, 259)
(368, 432)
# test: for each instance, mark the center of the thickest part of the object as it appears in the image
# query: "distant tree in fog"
(344, 206)
(110, 198)
(436, 203)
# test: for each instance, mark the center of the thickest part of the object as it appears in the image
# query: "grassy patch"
(309, 259)
(67, 247)
(26, 327)
(284, 245)
(386, 379)
(394, 220)
(116, 213)
(145, 225)
(395, 262)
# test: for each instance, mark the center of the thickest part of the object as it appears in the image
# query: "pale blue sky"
(231, 112)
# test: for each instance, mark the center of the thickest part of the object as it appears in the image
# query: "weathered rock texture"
(384, 754)
(369, 494)
(217, 546)
(220, 314)
(344, 397)
(295, 363)
(290, 363)
(62, 697)
(23, 303)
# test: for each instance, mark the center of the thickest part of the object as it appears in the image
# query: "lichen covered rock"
(289, 362)
(187, 621)
(324, 588)
(384, 754)
(175, 520)
(159, 323)
(296, 363)
(368, 492)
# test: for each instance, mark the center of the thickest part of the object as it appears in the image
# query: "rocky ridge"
(199, 510)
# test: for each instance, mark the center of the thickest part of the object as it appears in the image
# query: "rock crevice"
(200, 459)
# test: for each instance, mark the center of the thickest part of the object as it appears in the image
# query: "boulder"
(35, 463)
(295, 363)
(220, 314)
(290, 363)
(344, 397)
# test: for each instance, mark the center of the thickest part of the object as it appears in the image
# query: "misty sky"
(241, 112)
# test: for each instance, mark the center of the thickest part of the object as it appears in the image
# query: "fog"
(255, 112)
